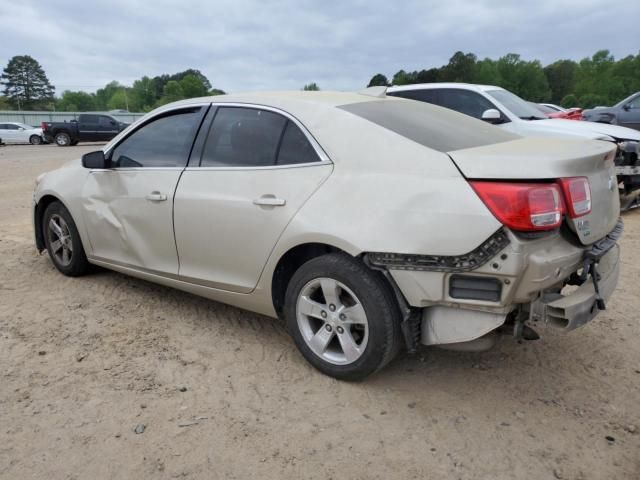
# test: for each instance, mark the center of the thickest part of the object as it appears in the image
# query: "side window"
(88, 118)
(243, 137)
(3, 126)
(635, 103)
(295, 147)
(424, 95)
(465, 101)
(105, 121)
(164, 142)
(11, 126)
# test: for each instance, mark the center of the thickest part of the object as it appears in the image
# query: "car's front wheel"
(35, 140)
(63, 241)
(63, 139)
(343, 317)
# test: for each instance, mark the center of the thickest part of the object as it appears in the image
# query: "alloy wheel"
(60, 242)
(332, 321)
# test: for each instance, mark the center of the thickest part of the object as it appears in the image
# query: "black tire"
(376, 298)
(78, 264)
(74, 143)
(62, 139)
(35, 140)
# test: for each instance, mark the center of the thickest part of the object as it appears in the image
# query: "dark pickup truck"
(88, 128)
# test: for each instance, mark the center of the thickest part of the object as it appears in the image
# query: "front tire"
(343, 317)
(63, 241)
(63, 139)
(35, 140)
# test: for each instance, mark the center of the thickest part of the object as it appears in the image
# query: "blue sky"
(283, 44)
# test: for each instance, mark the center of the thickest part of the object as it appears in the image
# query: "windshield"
(625, 101)
(542, 108)
(25, 126)
(516, 105)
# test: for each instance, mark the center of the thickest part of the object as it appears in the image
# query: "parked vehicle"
(625, 113)
(367, 222)
(88, 128)
(556, 112)
(15, 132)
(501, 107)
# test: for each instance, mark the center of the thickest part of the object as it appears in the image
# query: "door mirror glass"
(492, 116)
(94, 160)
(626, 107)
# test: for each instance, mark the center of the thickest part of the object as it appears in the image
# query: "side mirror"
(95, 160)
(626, 107)
(492, 116)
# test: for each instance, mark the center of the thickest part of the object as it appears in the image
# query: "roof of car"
(274, 98)
(426, 86)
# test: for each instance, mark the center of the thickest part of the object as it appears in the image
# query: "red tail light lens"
(523, 206)
(577, 194)
(43, 125)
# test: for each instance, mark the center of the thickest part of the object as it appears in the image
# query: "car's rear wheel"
(35, 139)
(74, 142)
(63, 241)
(342, 316)
(63, 139)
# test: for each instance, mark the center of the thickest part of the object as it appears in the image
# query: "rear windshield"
(434, 127)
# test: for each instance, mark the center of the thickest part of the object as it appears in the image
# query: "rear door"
(107, 128)
(255, 169)
(88, 128)
(9, 133)
(128, 209)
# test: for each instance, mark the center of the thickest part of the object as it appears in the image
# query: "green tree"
(25, 83)
(216, 91)
(311, 87)
(142, 95)
(193, 86)
(172, 92)
(4, 103)
(103, 95)
(76, 102)
(561, 77)
(569, 101)
(462, 67)
(378, 80)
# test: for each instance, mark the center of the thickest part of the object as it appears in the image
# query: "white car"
(510, 112)
(15, 132)
(369, 223)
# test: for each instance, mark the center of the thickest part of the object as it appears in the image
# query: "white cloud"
(283, 44)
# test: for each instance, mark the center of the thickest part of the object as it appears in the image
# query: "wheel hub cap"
(332, 321)
(60, 240)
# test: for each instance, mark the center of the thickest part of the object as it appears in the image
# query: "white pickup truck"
(510, 112)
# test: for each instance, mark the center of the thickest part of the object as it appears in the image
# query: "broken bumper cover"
(602, 264)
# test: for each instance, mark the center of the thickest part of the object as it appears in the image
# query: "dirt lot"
(224, 394)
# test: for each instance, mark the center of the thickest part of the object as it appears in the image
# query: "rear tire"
(63, 139)
(74, 143)
(63, 241)
(35, 140)
(342, 316)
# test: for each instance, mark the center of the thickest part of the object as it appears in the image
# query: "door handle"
(269, 201)
(156, 197)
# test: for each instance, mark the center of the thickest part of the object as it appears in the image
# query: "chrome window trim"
(137, 169)
(324, 158)
(271, 167)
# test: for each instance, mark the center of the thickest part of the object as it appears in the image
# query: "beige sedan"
(370, 224)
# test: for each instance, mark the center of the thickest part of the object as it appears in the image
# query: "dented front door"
(129, 217)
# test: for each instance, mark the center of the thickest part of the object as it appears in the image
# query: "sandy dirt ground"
(222, 393)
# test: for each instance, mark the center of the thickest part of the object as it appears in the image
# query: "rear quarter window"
(435, 127)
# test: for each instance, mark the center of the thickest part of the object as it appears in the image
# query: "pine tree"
(25, 83)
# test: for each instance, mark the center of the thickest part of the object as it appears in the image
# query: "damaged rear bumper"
(599, 278)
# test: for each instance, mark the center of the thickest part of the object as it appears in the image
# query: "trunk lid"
(535, 159)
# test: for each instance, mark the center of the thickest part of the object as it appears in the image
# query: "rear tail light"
(523, 206)
(577, 194)
(43, 125)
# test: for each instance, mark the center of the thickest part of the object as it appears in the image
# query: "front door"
(257, 169)
(630, 115)
(128, 209)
